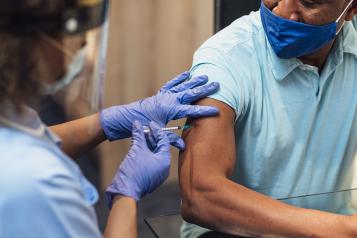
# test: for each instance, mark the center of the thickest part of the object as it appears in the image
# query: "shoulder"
(237, 49)
(238, 39)
(35, 181)
(32, 178)
(33, 174)
(231, 57)
(24, 155)
(28, 164)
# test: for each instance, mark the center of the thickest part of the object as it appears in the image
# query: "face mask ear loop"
(342, 15)
(57, 45)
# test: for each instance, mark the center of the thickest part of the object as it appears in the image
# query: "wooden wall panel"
(150, 42)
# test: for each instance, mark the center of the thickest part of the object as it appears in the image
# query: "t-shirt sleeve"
(45, 207)
(234, 90)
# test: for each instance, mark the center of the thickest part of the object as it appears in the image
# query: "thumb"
(176, 140)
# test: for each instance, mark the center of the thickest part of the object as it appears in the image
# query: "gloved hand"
(170, 103)
(142, 170)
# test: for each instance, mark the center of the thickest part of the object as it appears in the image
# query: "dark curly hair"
(18, 81)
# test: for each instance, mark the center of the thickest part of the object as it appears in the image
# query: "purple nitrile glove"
(170, 103)
(142, 170)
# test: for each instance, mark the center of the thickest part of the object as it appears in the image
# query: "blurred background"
(150, 42)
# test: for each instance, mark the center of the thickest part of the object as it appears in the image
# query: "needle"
(174, 128)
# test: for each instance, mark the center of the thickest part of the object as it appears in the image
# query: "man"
(287, 124)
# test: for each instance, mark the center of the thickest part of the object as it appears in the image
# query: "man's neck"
(319, 58)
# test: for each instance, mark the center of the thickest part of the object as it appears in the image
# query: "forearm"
(80, 135)
(227, 207)
(122, 220)
(211, 200)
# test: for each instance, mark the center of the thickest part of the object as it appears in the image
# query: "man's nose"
(288, 9)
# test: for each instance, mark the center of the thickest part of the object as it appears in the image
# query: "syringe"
(174, 128)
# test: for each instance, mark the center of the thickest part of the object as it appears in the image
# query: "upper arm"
(229, 72)
(210, 149)
(210, 143)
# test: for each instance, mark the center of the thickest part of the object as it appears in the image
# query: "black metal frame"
(87, 17)
(226, 11)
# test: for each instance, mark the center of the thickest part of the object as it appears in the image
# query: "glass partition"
(340, 202)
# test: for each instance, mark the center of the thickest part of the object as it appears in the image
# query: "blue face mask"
(292, 39)
(74, 69)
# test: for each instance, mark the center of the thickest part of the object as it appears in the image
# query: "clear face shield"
(79, 84)
(76, 79)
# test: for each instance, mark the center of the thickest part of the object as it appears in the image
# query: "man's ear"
(352, 12)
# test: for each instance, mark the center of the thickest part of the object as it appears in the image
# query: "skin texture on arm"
(80, 136)
(122, 219)
(211, 200)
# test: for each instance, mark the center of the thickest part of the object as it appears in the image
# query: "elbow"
(190, 212)
(196, 203)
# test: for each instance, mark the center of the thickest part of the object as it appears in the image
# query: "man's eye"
(308, 4)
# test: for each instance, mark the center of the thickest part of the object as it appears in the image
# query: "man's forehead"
(332, 3)
(326, 1)
(342, 1)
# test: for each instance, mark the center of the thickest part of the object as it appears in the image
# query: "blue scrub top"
(43, 193)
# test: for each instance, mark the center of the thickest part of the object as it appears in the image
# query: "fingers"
(163, 145)
(193, 83)
(195, 94)
(163, 142)
(176, 140)
(138, 133)
(196, 111)
(179, 79)
(152, 136)
(151, 139)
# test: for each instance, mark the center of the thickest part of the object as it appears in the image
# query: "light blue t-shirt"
(42, 192)
(296, 128)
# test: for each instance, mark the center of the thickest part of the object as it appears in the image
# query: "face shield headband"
(83, 16)
(77, 39)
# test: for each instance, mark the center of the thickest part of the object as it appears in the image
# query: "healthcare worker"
(57, 47)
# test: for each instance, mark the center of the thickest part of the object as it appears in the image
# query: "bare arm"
(80, 136)
(211, 200)
(122, 219)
